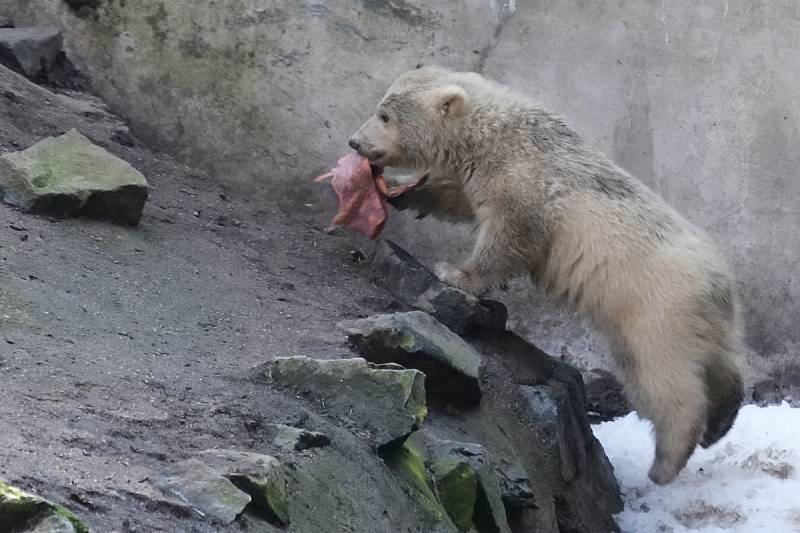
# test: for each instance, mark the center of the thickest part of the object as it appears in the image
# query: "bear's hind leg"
(671, 393)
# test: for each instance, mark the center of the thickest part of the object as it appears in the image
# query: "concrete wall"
(701, 100)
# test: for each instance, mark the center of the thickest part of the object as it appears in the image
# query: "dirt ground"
(123, 348)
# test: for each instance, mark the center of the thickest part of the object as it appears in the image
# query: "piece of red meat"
(361, 195)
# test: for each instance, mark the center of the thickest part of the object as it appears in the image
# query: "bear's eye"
(384, 118)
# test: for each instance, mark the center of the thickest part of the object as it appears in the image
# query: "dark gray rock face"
(417, 287)
(385, 401)
(539, 404)
(32, 51)
(417, 340)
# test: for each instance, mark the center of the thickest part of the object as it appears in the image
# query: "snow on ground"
(748, 482)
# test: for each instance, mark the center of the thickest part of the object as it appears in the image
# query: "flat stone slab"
(418, 287)
(34, 50)
(205, 489)
(387, 401)
(68, 176)
(22, 512)
(417, 340)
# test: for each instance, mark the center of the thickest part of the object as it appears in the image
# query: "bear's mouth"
(377, 170)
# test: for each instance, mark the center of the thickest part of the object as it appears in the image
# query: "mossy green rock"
(447, 460)
(417, 340)
(386, 401)
(21, 512)
(407, 461)
(457, 486)
(205, 489)
(68, 176)
(258, 475)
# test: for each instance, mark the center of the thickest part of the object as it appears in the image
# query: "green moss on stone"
(406, 460)
(457, 486)
(18, 507)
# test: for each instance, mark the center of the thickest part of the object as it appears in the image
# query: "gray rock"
(386, 401)
(417, 340)
(295, 439)
(33, 51)
(538, 404)
(515, 487)
(69, 176)
(418, 287)
(6, 22)
(258, 475)
(22, 512)
(205, 489)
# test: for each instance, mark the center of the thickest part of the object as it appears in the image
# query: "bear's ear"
(450, 101)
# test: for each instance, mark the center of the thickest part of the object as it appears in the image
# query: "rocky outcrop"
(21, 512)
(539, 405)
(68, 176)
(417, 340)
(531, 462)
(531, 412)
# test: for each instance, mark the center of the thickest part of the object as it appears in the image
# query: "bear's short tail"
(725, 390)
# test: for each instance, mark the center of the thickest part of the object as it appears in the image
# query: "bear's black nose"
(354, 144)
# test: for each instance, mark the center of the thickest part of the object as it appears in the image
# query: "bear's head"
(413, 120)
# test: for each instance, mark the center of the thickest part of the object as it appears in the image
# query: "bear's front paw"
(449, 274)
(458, 278)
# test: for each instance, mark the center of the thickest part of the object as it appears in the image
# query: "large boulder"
(32, 51)
(21, 512)
(68, 176)
(417, 287)
(417, 340)
(386, 402)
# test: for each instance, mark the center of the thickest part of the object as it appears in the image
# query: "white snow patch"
(746, 483)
